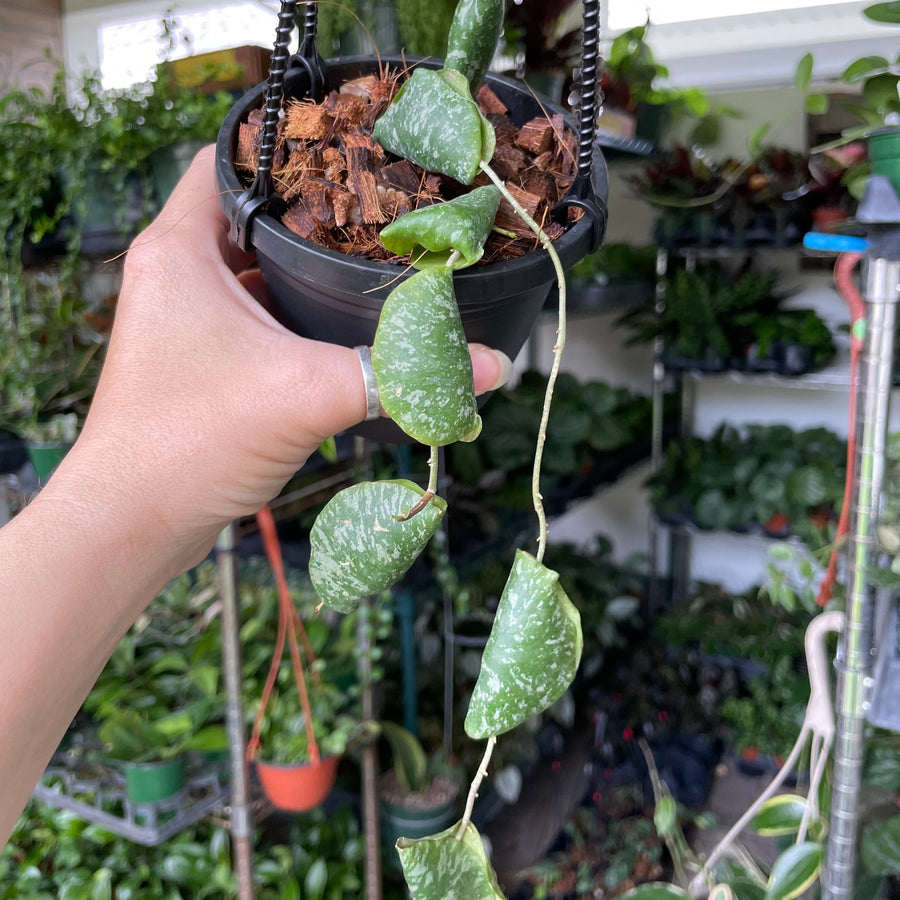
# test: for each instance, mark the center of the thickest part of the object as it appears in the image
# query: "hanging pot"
(297, 787)
(45, 457)
(328, 296)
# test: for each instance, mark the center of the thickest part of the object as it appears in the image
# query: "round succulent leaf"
(444, 867)
(422, 363)
(360, 544)
(532, 653)
(435, 123)
(430, 235)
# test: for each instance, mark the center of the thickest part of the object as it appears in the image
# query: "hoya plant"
(369, 535)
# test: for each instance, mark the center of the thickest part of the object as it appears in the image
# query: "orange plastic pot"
(297, 788)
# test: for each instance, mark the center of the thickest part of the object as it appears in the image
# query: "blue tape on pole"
(834, 243)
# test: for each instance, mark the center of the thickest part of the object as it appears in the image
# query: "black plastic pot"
(331, 297)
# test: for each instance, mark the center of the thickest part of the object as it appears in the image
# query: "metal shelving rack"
(858, 649)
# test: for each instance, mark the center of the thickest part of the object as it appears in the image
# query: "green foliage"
(614, 263)
(52, 854)
(424, 25)
(767, 476)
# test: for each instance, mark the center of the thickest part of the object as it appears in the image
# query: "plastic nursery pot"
(417, 820)
(884, 154)
(45, 458)
(328, 296)
(297, 787)
(153, 782)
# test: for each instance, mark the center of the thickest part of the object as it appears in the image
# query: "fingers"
(490, 368)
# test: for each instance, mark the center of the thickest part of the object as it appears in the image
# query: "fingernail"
(506, 368)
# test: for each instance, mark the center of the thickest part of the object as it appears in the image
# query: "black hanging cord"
(582, 193)
(257, 195)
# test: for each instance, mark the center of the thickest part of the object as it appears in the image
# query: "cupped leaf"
(794, 871)
(422, 363)
(361, 544)
(435, 123)
(450, 234)
(532, 654)
(442, 867)
(472, 41)
(780, 815)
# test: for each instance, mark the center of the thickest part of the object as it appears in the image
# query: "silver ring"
(373, 402)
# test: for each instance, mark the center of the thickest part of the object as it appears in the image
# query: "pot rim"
(286, 242)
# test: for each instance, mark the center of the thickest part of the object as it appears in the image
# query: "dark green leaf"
(532, 654)
(422, 363)
(431, 234)
(780, 815)
(359, 546)
(794, 871)
(472, 41)
(880, 847)
(444, 868)
(889, 12)
(435, 123)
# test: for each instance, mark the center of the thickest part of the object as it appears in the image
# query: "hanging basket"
(329, 296)
(300, 787)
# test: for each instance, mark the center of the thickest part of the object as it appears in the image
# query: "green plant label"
(442, 867)
(360, 543)
(435, 123)
(532, 654)
(445, 234)
(422, 363)
(474, 34)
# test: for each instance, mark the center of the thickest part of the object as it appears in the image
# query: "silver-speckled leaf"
(435, 123)
(422, 363)
(532, 654)
(359, 546)
(432, 235)
(441, 867)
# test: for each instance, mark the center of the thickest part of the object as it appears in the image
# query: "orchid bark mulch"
(339, 187)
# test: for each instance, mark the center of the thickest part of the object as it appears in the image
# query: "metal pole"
(855, 653)
(241, 820)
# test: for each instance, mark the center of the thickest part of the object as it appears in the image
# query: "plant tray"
(96, 793)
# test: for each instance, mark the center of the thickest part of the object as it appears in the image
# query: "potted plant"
(417, 795)
(366, 537)
(299, 749)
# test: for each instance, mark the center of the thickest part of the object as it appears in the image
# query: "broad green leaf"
(803, 72)
(531, 655)
(175, 724)
(431, 234)
(780, 815)
(316, 879)
(360, 546)
(435, 123)
(422, 363)
(794, 871)
(880, 847)
(888, 13)
(441, 867)
(863, 67)
(655, 890)
(208, 739)
(101, 884)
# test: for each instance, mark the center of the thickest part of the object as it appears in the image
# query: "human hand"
(207, 405)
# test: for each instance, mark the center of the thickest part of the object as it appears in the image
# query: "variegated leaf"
(442, 867)
(532, 654)
(360, 544)
(422, 363)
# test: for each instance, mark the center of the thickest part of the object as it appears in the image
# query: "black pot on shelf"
(328, 296)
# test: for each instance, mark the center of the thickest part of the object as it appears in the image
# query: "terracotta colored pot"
(297, 787)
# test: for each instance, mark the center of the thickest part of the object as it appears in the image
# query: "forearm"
(76, 568)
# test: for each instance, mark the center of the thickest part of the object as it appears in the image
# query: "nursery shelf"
(96, 794)
(836, 376)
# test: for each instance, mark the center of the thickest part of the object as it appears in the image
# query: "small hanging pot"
(298, 787)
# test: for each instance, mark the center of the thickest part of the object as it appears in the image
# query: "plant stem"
(480, 775)
(547, 244)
